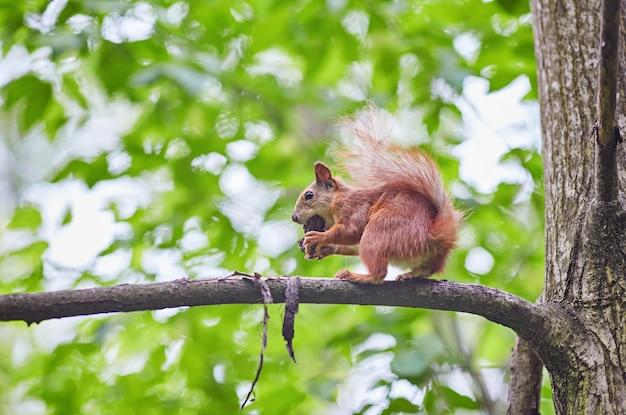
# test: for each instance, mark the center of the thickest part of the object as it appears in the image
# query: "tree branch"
(525, 383)
(523, 317)
(607, 133)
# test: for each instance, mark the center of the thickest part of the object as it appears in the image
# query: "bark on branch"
(523, 317)
(525, 383)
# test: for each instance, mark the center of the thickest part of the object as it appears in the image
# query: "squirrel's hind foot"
(411, 275)
(359, 278)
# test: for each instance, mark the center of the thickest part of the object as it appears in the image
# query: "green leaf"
(506, 193)
(431, 117)
(33, 93)
(430, 401)
(67, 218)
(409, 364)
(32, 252)
(25, 217)
(514, 6)
(54, 118)
(412, 361)
(455, 399)
(400, 405)
(71, 88)
(91, 172)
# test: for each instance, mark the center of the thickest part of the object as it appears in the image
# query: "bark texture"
(585, 250)
(525, 382)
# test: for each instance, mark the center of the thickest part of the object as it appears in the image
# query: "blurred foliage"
(183, 87)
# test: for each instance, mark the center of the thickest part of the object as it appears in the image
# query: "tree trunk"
(585, 242)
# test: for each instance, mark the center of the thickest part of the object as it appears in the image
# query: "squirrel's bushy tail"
(371, 159)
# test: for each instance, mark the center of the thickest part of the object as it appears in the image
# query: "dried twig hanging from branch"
(267, 299)
(291, 309)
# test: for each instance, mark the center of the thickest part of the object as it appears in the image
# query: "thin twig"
(267, 299)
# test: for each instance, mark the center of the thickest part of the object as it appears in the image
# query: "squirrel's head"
(317, 198)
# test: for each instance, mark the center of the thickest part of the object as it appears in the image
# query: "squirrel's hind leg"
(432, 265)
(414, 273)
(359, 278)
(375, 263)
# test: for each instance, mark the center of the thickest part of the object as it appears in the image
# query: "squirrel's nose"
(294, 218)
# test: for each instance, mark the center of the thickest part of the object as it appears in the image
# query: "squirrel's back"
(372, 160)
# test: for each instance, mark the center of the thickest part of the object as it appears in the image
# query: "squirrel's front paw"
(312, 242)
(313, 238)
(321, 251)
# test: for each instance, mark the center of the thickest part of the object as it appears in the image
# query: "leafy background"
(144, 141)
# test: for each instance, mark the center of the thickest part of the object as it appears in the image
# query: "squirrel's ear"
(323, 175)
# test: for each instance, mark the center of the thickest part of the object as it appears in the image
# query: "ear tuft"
(322, 173)
(323, 177)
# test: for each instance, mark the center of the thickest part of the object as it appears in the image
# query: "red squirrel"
(395, 209)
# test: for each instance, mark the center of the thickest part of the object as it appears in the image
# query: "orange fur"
(396, 209)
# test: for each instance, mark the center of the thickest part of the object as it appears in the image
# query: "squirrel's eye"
(308, 196)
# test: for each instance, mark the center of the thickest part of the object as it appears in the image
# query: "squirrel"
(395, 209)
